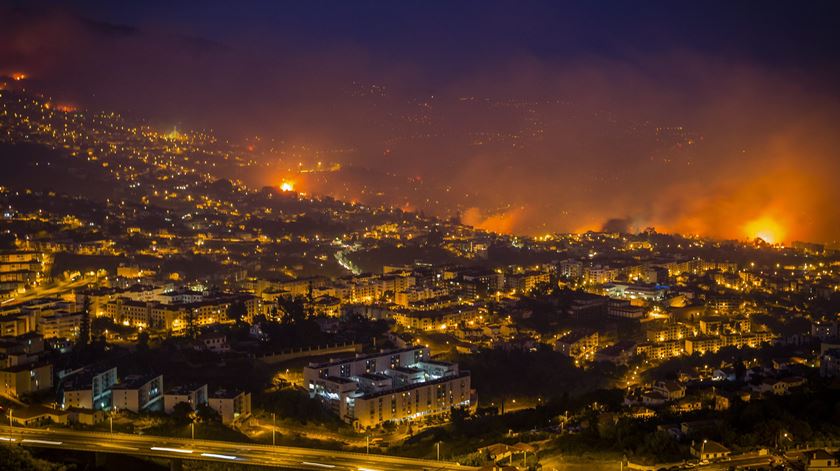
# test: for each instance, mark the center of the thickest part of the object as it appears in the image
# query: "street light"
(192, 416)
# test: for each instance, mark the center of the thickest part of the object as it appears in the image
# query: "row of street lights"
(193, 416)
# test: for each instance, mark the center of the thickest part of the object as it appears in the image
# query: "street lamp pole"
(437, 445)
(273, 428)
(192, 416)
(367, 444)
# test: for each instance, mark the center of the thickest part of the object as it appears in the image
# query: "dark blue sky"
(448, 38)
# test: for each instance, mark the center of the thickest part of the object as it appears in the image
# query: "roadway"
(218, 451)
(51, 290)
(756, 462)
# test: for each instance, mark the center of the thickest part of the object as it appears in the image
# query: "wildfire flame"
(765, 228)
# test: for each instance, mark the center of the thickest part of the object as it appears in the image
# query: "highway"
(218, 451)
(56, 289)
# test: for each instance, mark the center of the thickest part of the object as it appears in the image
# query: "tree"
(740, 370)
(143, 341)
(459, 417)
(84, 328)
(181, 413)
(435, 237)
(237, 311)
(192, 328)
(19, 459)
(293, 310)
(205, 413)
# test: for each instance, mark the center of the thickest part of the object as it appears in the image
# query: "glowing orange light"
(287, 186)
(19, 76)
(766, 228)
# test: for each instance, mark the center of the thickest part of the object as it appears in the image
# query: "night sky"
(716, 118)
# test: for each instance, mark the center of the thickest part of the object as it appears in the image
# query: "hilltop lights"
(287, 186)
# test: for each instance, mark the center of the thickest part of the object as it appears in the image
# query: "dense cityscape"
(160, 308)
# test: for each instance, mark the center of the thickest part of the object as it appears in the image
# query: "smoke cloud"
(519, 141)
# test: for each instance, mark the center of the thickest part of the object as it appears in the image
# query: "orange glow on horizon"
(766, 228)
(65, 108)
(17, 76)
(287, 186)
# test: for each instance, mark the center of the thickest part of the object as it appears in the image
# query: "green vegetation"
(15, 458)
(296, 405)
(544, 373)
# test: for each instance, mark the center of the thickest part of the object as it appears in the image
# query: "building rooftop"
(360, 357)
(185, 389)
(376, 394)
(373, 376)
(225, 393)
(35, 411)
(134, 382)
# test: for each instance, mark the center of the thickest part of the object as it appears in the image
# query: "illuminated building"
(598, 274)
(61, 324)
(232, 406)
(396, 385)
(165, 316)
(412, 295)
(624, 310)
(525, 282)
(90, 390)
(830, 363)
(671, 390)
(435, 319)
(580, 344)
(26, 379)
(636, 291)
(709, 450)
(194, 395)
(660, 350)
(16, 324)
(137, 393)
(411, 402)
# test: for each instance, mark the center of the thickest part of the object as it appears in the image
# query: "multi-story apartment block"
(18, 380)
(137, 393)
(414, 294)
(525, 282)
(173, 316)
(232, 406)
(193, 394)
(90, 390)
(660, 350)
(579, 344)
(397, 385)
(60, 324)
